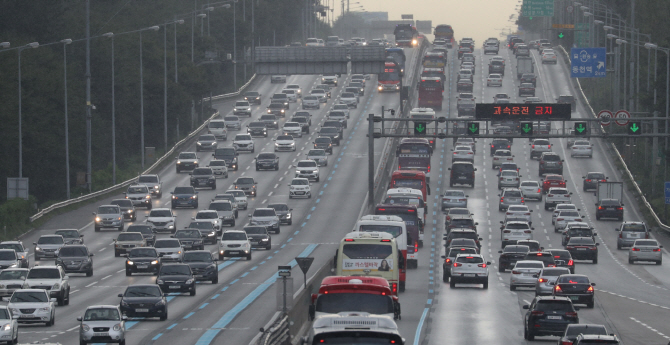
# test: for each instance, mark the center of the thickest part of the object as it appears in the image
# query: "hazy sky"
(478, 19)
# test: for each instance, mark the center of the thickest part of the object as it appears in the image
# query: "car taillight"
(603, 180)
(456, 264)
(559, 219)
(482, 265)
(619, 208)
(590, 289)
(571, 314)
(539, 190)
(588, 180)
(537, 313)
(646, 235)
(557, 288)
(493, 146)
(508, 146)
(516, 272)
(508, 213)
(546, 182)
(447, 261)
(570, 262)
(416, 247)
(527, 232)
(429, 168)
(656, 249)
(600, 207)
(394, 288)
(578, 220)
(549, 146)
(501, 199)
(566, 343)
(533, 146)
(542, 280)
(620, 235)
(521, 199)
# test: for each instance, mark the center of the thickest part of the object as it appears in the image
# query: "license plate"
(610, 208)
(574, 298)
(468, 275)
(199, 276)
(462, 178)
(100, 334)
(581, 248)
(26, 316)
(175, 286)
(554, 317)
(233, 253)
(143, 310)
(142, 266)
(72, 266)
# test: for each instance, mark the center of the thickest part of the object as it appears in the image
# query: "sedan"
(562, 207)
(546, 280)
(564, 217)
(577, 287)
(285, 143)
(521, 211)
(525, 273)
(501, 156)
(549, 57)
(176, 278)
(508, 178)
(494, 80)
(581, 148)
(10, 330)
(531, 190)
(526, 89)
(645, 250)
(591, 180)
(454, 198)
(463, 153)
(350, 99)
(144, 300)
(311, 102)
(583, 248)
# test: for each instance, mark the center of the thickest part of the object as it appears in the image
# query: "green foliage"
(15, 217)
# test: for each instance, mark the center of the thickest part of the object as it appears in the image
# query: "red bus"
(414, 154)
(409, 214)
(430, 93)
(410, 179)
(354, 293)
(391, 78)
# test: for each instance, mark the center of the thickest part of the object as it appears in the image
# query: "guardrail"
(277, 334)
(618, 155)
(157, 164)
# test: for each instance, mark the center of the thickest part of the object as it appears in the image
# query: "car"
(645, 250)
(186, 161)
(303, 121)
(591, 180)
(581, 148)
(284, 213)
(142, 260)
(343, 108)
(176, 278)
(153, 182)
(9, 259)
(567, 99)
(528, 78)
(299, 187)
(311, 102)
(324, 143)
(524, 274)
(350, 99)
(526, 89)
(203, 177)
(277, 109)
(497, 66)
(293, 129)
(48, 246)
(521, 50)
(240, 198)
(333, 133)
(252, 97)
(245, 184)
(219, 168)
(454, 212)
(533, 245)
(509, 178)
(494, 79)
(500, 144)
(534, 100)
(360, 85)
(463, 153)
(519, 212)
(270, 121)
(465, 73)
(242, 108)
(257, 129)
(258, 236)
(243, 142)
(267, 160)
(266, 217)
(564, 217)
(576, 230)
(550, 162)
(206, 142)
(225, 210)
(228, 155)
(501, 156)
(185, 197)
(284, 143)
(190, 239)
(234, 243)
(319, 156)
(127, 240)
(467, 233)
(329, 79)
(549, 57)
(296, 87)
(292, 95)
(277, 78)
(548, 315)
(71, 236)
(53, 279)
(338, 115)
(510, 255)
(464, 85)
(583, 248)
(162, 219)
(562, 258)
(538, 147)
(127, 208)
(562, 207)
(469, 269)
(609, 208)
(449, 259)
(308, 169)
(463, 50)
(108, 216)
(321, 94)
(454, 198)
(169, 249)
(510, 196)
(577, 287)
(144, 300)
(491, 48)
(514, 231)
(232, 122)
(553, 181)
(531, 190)
(203, 264)
(10, 329)
(460, 221)
(11, 279)
(556, 196)
(33, 306)
(227, 197)
(629, 232)
(575, 330)
(146, 232)
(76, 259)
(208, 233)
(139, 195)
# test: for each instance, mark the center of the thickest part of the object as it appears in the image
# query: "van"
(462, 173)
(228, 154)
(332, 41)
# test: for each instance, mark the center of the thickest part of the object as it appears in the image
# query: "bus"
(339, 294)
(434, 60)
(398, 56)
(427, 117)
(372, 254)
(444, 32)
(408, 196)
(430, 93)
(414, 154)
(434, 72)
(406, 35)
(410, 215)
(390, 79)
(353, 328)
(410, 179)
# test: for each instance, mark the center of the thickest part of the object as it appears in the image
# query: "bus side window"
(401, 262)
(335, 259)
(428, 188)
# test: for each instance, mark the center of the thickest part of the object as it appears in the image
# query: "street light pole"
(235, 45)
(111, 35)
(89, 117)
(29, 45)
(67, 147)
(142, 95)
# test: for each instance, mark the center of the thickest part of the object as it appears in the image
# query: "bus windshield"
(363, 302)
(402, 183)
(367, 251)
(414, 149)
(357, 338)
(390, 229)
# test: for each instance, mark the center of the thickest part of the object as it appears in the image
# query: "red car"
(551, 180)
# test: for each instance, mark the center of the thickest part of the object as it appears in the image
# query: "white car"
(240, 198)
(211, 216)
(549, 57)
(329, 79)
(296, 87)
(11, 279)
(555, 196)
(312, 42)
(508, 178)
(243, 142)
(52, 279)
(311, 102)
(531, 190)
(10, 326)
(218, 129)
(520, 211)
(162, 219)
(494, 79)
(291, 95)
(299, 187)
(242, 108)
(645, 250)
(169, 249)
(562, 207)
(234, 243)
(581, 148)
(219, 168)
(308, 169)
(285, 143)
(342, 107)
(293, 129)
(465, 73)
(466, 141)
(564, 217)
(277, 78)
(232, 122)
(501, 156)
(512, 232)
(350, 99)
(321, 94)
(469, 269)
(463, 153)
(319, 156)
(524, 274)
(33, 306)
(468, 65)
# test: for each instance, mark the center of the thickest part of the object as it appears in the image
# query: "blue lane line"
(325, 185)
(308, 216)
(234, 281)
(283, 245)
(227, 263)
(330, 178)
(295, 233)
(225, 288)
(157, 336)
(290, 239)
(254, 268)
(189, 315)
(228, 317)
(417, 335)
(321, 192)
(214, 297)
(130, 324)
(203, 305)
(244, 275)
(317, 200)
(313, 208)
(303, 225)
(172, 326)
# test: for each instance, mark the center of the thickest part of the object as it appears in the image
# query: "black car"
(252, 97)
(324, 143)
(284, 213)
(335, 123)
(305, 114)
(591, 180)
(510, 255)
(258, 236)
(331, 132)
(303, 121)
(203, 265)
(127, 208)
(207, 231)
(142, 260)
(577, 232)
(551, 163)
(500, 144)
(562, 258)
(528, 78)
(583, 248)
(257, 129)
(144, 300)
(532, 244)
(203, 177)
(462, 233)
(270, 121)
(462, 173)
(577, 287)
(460, 221)
(609, 208)
(277, 109)
(227, 154)
(548, 315)
(191, 239)
(574, 330)
(75, 259)
(146, 231)
(545, 257)
(176, 278)
(267, 160)
(526, 89)
(184, 196)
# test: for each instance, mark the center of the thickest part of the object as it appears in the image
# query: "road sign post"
(622, 117)
(605, 117)
(304, 264)
(473, 128)
(588, 63)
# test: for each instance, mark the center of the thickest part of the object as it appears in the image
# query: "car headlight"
(212, 234)
(246, 245)
(159, 281)
(198, 143)
(117, 327)
(45, 309)
(189, 282)
(7, 327)
(85, 328)
(155, 262)
(15, 311)
(264, 240)
(97, 219)
(178, 162)
(160, 303)
(130, 263)
(155, 187)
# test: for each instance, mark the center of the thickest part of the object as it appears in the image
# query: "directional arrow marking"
(560, 35)
(473, 128)
(526, 128)
(634, 127)
(580, 128)
(601, 64)
(420, 127)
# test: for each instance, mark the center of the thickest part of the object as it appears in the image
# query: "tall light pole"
(165, 124)
(235, 45)
(667, 94)
(89, 117)
(29, 45)
(154, 28)
(67, 142)
(200, 15)
(111, 35)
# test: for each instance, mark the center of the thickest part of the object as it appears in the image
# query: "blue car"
(184, 197)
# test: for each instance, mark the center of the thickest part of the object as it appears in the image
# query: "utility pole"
(88, 95)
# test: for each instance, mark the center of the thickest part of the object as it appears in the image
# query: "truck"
(609, 190)
(406, 35)
(524, 64)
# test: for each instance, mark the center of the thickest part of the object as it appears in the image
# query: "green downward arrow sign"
(634, 127)
(420, 128)
(580, 128)
(527, 128)
(473, 128)
(560, 35)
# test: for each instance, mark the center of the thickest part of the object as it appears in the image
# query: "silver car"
(454, 198)
(531, 190)
(350, 99)
(240, 198)
(111, 216)
(509, 178)
(319, 156)
(33, 306)
(20, 250)
(48, 246)
(232, 122)
(524, 274)
(169, 249)
(266, 217)
(9, 259)
(12, 279)
(10, 329)
(629, 232)
(102, 324)
(547, 278)
(311, 102)
(510, 196)
(645, 250)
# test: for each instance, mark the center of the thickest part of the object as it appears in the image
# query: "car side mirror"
(54, 300)
(79, 317)
(526, 306)
(467, 196)
(443, 256)
(450, 169)
(593, 284)
(160, 255)
(475, 169)
(623, 205)
(597, 244)
(120, 295)
(481, 240)
(91, 254)
(552, 283)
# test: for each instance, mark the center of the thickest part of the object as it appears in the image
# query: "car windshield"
(167, 243)
(588, 241)
(13, 274)
(44, 273)
(279, 207)
(509, 173)
(221, 206)
(241, 104)
(230, 118)
(69, 233)
(255, 230)
(454, 193)
(17, 247)
(207, 215)
(568, 214)
(218, 124)
(187, 234)
(143, 253)
(610, 202)
(108, 209)
(202, 171)
(307, 164)
(503, 153)
(573, 279)
(143, 229)
(455, 251)
(551, 158)
(516, 249)
(646, 243)
(284, 137)
(50, 240)
(245, 180)
(287, 125)
(530, 184)
(197, 257)
(217, 163)
(554, 272)
(29, 297)
(237, 193)
(244, 137)
(517, 226)
(207, 137)
(348, 95)
(596, 176)
(201, 225)
(257, 124)
(322, 140)
(316, 153)
(7, 255)
(102, 314)
(470, 259)
(574, 330)
(251, 94)
(72, 251)
(143, 291)
(634, 227)
(234, 236)
(264, 212)
(187, 155)
(184, 190)
(310, 98)
(160, 213)
(537, 264)
(175, 270)
(120, 202)
(512, 193)
(518, 208)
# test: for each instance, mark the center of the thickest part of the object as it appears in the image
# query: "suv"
(266, 217)
(203, 265)
(176, 278)
(140, 195)
(242, 108)
(528, 78)
(334, 123)
(515, 231)
(460, 221)
(556, 196)
(609, 208)
(227, 154)
(319, 156)
(284, 143)
(162, 219)
(469, 269)
(462, 233)
(232, 122)
(308, 169)
(548, 315)
(500, 157)
(128, 240)
(75, 259)
(245, 184)
(218, 129)
(258, 236)
(190, 239)
(577, 231)
(240, 198)
(203, 177)
(186, 161)
(283, 212)
(462, 173)
(185, 196)
(510, 255)
(510, 196)
(591, 180)
(252, 97)
(538, 147)
(500, 144)
(153, 182)
(631, 231)
(449, 259)
(127, 208)
(234, 243)
(270, 121)
(225, 209)
(32, 306)
(108, 216)
(206, 142)
(243, 142)
(303, 122)
(551, 163)
(333, 133)
(52, 279)
(219, 168)
(257, 129)
(324, 143)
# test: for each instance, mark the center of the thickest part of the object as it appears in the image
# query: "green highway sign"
(473, 128)
(634, 128)
(537, 8)
(419, 128)
(581, 128)
(527, 129)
